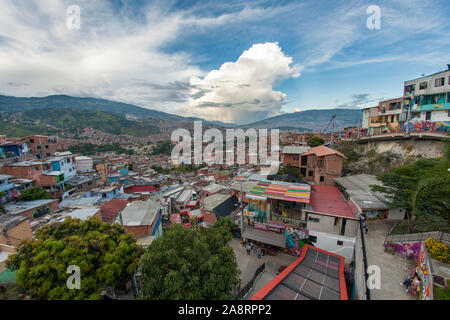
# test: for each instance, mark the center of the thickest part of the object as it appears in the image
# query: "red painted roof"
(314, 275)
(321, 151)
(328, 200)
(109, 210)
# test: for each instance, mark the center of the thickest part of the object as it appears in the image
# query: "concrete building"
(142, 219)
(32, 209)
(84, 164)
(365, 201)
(387, 117)
(427, 100)
(14, 229)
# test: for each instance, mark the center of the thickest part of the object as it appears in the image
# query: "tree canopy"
(315, 141)
(106, 255)
(421, 187)
(34, 193)
(187, 264)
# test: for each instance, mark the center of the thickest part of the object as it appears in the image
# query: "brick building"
(321, 165)
(14, 229)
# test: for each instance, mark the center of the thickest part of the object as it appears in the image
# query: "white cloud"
(243, 91)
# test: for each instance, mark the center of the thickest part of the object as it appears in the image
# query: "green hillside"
(73, 119)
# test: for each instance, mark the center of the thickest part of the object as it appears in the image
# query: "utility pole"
(242, 212)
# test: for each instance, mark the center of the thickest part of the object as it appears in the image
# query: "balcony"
(287, 220)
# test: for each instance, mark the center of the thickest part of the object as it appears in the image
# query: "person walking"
(259, 253)
(249, 249)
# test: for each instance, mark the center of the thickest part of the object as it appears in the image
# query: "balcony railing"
(287, 220)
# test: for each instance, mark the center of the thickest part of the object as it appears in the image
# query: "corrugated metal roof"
(358, 189)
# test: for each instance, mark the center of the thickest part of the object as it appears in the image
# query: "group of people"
(260, 251)
(411, 281)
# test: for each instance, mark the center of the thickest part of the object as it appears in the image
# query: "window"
(428, 116)
(313, 239)
(336, 221)
(38, 147)
(448, 97)
(46, 146)
(80, 186)
(423, 85)
(89, 183)
(439, 82)
(31, 140)
(340, 243)
(313, 219)
(322, 178)
(410, 88)
(48, 154)
(295, 158)
(310, 173)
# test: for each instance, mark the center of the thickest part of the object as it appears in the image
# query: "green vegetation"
(162, 147)
(421, 187)
(34, 193)
(187, 264)
(72, 119)
(369, 162)
(315, 141)
(17, 130)
(106, 255)
(90, 149)
(288, 169)
(180, 168)
(440, 293)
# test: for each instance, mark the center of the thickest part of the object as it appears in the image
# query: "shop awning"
(279, 190)
(268, 237)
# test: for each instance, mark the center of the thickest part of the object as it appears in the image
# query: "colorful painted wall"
(424, 271)
(425, 125)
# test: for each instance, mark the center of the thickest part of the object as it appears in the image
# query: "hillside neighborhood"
(310, 226)
(238, 158)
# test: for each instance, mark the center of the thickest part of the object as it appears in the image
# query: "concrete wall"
(405, 148)
(327, 225)
(359, 280)
(329, 242)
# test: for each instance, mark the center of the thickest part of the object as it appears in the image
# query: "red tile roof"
(328, 200)
(321, 151)
(109, 210)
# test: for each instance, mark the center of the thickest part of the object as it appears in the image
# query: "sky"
(229, 61)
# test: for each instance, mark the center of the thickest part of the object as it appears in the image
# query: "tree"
(422, 188)
(186, 264)
(106, 255)
(315, 141)
(34, 193)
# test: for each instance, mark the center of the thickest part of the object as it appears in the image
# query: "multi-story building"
(321, 165)
(291, 154)
(426, 100)
(40, 171)
(389, 112)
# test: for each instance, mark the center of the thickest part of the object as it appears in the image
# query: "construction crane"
(332, 119)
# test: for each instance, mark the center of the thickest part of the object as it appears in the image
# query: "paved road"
(249, 263)
(394, 268)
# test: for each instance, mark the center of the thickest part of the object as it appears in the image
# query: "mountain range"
(63, 111)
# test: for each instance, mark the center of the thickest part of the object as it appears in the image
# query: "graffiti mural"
(425, 125)
(407, 248)
(424, 272)
(41, 211)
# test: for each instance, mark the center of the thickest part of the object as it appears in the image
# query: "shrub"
(438, 250)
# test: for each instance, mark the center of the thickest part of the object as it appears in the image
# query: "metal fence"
(419, 236)
(245, 290)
